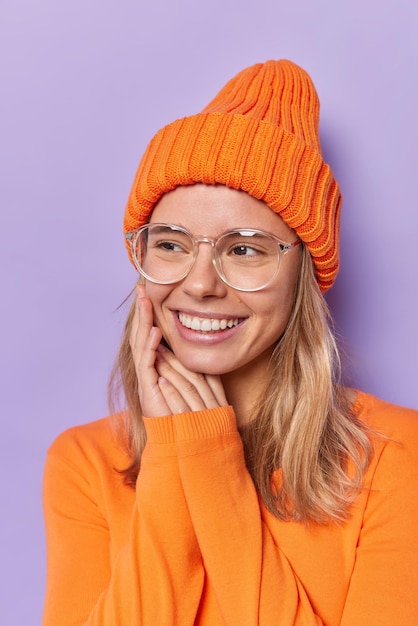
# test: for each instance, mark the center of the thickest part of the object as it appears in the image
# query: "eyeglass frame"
(283, 248)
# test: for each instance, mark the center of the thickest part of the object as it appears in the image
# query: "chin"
(211, 367)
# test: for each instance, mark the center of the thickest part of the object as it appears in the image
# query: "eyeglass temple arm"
(286, 247)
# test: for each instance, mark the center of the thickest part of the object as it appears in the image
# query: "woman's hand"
(165, 386)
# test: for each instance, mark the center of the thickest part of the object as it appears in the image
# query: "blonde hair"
(305, 448)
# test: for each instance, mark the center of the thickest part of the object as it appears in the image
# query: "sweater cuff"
(205, 424)
(191, 425)
(160, 429)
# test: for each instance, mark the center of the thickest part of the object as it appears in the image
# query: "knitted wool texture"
(259, 134)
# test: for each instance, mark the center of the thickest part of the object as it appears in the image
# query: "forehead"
(213, 209)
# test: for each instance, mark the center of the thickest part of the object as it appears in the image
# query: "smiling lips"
(205, 324)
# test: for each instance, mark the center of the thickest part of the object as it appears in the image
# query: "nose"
(203, 279)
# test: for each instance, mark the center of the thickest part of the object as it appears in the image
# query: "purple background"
(85, 84)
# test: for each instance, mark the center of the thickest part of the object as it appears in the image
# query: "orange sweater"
(194, 545)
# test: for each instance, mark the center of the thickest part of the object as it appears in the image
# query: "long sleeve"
(156, 578)
(384, 583)
(253, 581)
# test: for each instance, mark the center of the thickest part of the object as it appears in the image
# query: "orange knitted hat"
(259, 134)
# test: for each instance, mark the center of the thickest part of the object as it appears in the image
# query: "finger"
(144, 340)
(168, 355)
(142, 322)
(202, 380)
(141, 327)
(190, 386)
(174, 399)
(152, 401)
(217, 388)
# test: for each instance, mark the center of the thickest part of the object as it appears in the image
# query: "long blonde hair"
(305, 448)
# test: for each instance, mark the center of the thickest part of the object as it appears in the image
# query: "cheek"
(157, 293)
(276, 302)
(276, 321)
(162, 315)
(275, 312)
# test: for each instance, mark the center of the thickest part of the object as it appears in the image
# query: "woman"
(243, 485)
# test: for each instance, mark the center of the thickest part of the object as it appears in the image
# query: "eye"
(248, 247)
(168, 246)
(244, 250)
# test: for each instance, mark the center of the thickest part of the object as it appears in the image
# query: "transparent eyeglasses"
(245, 259)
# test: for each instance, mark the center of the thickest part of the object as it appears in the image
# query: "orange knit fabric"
(259, 134)
(194, 545)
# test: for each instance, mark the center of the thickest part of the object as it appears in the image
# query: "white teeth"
(205, 324)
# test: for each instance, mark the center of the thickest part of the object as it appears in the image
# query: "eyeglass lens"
(245, 259)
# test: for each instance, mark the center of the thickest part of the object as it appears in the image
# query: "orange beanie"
(259, 134)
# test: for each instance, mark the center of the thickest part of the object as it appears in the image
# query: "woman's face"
(202, 296)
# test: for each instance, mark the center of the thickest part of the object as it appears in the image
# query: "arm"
(156, 578)
(384, 583)
(252, 579)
